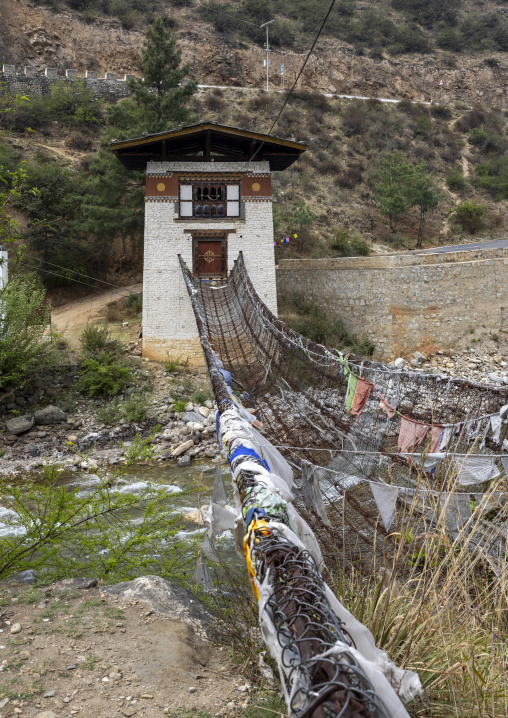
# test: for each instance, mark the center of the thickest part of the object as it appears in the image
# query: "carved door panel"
(210, 258)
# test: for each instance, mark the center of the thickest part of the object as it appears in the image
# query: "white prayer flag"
(386, 500)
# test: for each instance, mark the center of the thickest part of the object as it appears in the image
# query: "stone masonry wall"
(168, 320)
(39, 83)
(405, 302)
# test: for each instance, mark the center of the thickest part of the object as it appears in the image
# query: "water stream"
(186, 488)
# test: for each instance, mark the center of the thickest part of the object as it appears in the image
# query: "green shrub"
(173, 364)
(24, 320)
(360, 246)
(201, 396)
(97, 338)
(312, 323)
(456, 181)
(103, 375)
(73, 103)
(179, 406)
(493, 176)
(477, 136)
(110, 413)
(340, 243)
(470, 215)
(135, 302)
(135, 408)
(423, 125)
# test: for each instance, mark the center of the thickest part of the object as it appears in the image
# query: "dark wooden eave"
(207, 142)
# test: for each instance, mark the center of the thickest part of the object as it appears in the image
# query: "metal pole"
(265, 24)
(267, 59)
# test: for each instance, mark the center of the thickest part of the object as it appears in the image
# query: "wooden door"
(210, 259)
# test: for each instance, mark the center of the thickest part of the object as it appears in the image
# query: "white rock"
(182, 448)
(495, 378)
(189, 406)
(209, 405)
(204, 411)
(192, 689)
(198, 427)
(16, 628)
(399, 363)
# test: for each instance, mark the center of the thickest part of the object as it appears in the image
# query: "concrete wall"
(403, 302)
(169, 326)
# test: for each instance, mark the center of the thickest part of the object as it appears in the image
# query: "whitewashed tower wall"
(169, 327)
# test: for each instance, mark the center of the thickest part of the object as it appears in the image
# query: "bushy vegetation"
(127, 11)
(311, 321)
(103, 375)
(456, 181)
(25, 344)
(470, 215)
(345, 244)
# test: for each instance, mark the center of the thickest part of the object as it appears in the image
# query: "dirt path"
(72, 318)
(69, 652)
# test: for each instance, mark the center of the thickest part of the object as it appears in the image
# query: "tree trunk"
(419, 241)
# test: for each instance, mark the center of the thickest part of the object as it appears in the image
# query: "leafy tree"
(390, 184)
(422, 192)
(74, 103)
(24, 321)
(161, 92)
(51, 209)
(61, 531)
(13, 180)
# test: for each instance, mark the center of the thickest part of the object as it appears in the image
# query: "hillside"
(366, 48)
(89, 215)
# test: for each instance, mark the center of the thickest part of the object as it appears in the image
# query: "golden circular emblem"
(161, 186)
(256, 186)
(209, 256)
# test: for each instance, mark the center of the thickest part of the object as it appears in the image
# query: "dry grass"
(445, 614)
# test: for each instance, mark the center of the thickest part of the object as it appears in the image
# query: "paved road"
(489, 244)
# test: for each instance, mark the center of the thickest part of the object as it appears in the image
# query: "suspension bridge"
(366, 441)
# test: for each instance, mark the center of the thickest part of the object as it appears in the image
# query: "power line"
(73, 271)
(70, 279)
(295, 82)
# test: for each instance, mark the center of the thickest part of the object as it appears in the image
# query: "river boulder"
(20, 424)
(50, 415)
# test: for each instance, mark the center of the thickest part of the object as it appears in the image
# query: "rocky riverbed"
(485, 362)
(49, 421)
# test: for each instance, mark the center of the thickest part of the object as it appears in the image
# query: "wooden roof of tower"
(206, 142)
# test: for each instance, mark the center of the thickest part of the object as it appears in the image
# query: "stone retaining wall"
(33, 81)
(404, 302)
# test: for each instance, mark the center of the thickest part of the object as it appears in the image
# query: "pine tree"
(391, 180)
(422, 192)
(160, 94)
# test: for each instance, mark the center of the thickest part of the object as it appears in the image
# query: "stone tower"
(208, 197)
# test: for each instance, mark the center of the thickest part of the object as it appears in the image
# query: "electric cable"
(66, 269)
(267, 134)
(56, 274)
